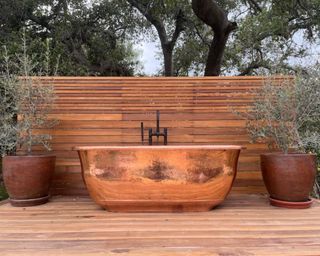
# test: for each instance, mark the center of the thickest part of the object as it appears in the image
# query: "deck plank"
(243, 225)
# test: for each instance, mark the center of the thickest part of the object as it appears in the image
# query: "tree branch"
(200, 35)
(156, 20)
(255, 5)
(151, 18)
(180, 20)
(210, 13)
(44, 21)
(252, 66)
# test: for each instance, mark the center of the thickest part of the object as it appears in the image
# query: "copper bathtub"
(159, 178)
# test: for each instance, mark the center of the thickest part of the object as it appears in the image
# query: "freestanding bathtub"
(158, 178)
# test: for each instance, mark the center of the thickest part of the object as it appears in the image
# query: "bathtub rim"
(160, 147)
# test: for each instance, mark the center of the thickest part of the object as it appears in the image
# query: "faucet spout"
(157, 132)
(158, 122)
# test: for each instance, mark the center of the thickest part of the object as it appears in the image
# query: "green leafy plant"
(9, 94)
(3, 193)
(25, 101)
(316, 188)
(285, 113)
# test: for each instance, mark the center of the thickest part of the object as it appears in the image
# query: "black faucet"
(157, 133)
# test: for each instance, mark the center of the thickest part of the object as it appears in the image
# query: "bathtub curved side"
(158, 180)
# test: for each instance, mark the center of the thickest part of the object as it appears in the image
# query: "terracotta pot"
(28, 178)
(289, 177)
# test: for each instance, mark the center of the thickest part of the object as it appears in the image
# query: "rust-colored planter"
(159, 178)
(28, 178)
(289, 178)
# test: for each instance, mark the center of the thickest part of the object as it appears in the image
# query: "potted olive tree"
(286, 115)
(24, 106)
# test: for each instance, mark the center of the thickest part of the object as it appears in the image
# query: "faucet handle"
(150, 136)
(165, 137)
(142, 133)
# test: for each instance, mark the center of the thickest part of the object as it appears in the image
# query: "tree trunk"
(210, 13)
(167, 51)
(215, 55)
(167, 43)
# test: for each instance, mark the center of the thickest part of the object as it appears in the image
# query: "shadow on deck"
(243, 225)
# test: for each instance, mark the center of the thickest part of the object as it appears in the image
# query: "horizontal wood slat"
(108, 111)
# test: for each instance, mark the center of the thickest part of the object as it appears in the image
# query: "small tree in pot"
(25, 103)
(285, 115)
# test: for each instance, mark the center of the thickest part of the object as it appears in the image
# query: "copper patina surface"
(159, 178)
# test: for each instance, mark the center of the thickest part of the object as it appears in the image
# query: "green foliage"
(316, 188)
(3, 192)
(90, 37)
(270, 35)
(96, 37)
(9, 96)
(25, 102)
(192, 63)
(286, 113)
(164, 20)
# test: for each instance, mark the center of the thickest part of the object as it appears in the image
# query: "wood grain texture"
(159, 178)
(108, 110)
(243, 225)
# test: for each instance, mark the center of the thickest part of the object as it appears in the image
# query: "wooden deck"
(243, 225)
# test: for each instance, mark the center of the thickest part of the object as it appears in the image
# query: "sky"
(148, 56)
(151, 64)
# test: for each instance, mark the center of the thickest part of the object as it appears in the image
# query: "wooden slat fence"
(108, 111)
